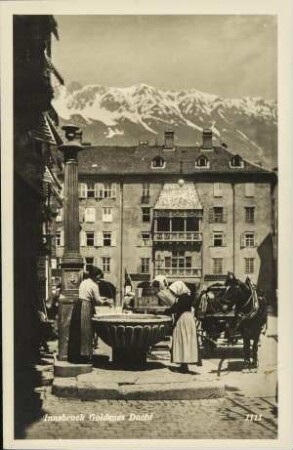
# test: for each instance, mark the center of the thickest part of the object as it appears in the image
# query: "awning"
(175, 197)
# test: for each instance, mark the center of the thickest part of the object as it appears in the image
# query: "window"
(106, 267)
(107, 239)
(218, 240)
(146, 214)
(91, 189)
(89, 262)
(218, 214)
(249, 239)
(202, 161)
(249, 189)
(146, 238)
(90, 239)
(58, 239)
(145, 265)
(145, 198)
(90, 215)
(145, 189)
(217, 266)
(192, 224)
(158, 163)
(249, 265)
(217, 190)
(163, 224)
(178, 260)
(105, 190)
(249, 214)
(107, 214)
(236, 161)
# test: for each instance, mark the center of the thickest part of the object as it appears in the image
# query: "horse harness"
(255, 306)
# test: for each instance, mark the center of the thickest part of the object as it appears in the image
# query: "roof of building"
(118, 160)
(174, 196)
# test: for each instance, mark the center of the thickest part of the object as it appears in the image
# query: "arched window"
(236, 161)
(202, 161)
(158, 163)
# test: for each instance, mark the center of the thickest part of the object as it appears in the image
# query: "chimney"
(207, 139)
(169, 139)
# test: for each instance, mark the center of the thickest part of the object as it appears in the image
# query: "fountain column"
(71, 262)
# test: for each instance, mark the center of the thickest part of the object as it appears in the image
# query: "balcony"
(178, 271)
(177, 236)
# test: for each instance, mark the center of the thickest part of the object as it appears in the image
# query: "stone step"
(92, 389)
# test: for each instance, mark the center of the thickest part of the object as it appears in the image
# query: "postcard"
(146, 224)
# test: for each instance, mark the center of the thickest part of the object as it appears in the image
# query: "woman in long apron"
(184, 343)
(80, 345)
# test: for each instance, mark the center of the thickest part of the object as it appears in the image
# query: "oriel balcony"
(179, 271)
(177, 236)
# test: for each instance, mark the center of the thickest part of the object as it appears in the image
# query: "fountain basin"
(132, 330)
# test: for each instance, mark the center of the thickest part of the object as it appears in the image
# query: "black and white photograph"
(144, 219)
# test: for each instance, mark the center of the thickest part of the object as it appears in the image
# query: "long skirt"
(80, 344)
(184, 343)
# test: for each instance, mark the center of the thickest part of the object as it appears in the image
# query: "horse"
(250, 316)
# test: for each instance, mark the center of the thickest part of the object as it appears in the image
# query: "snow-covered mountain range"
(125, 116)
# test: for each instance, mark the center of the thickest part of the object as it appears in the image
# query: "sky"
(230, 56)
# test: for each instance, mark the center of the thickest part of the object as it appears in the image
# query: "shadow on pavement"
(103, 362)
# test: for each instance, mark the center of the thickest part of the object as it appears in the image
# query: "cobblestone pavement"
(181, 419)
(226, 418)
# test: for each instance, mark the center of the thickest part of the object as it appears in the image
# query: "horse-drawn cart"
(215, 321)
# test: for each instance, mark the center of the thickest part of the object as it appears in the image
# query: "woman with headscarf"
(80, 345)
(184, 343)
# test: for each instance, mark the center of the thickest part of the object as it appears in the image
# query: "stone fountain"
(131, 335)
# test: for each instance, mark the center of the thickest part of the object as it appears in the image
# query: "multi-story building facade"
(190, 213)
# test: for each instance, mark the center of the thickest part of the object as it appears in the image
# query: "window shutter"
(90, 215)
(211, 215)
(96, 239)
(82, 238)
(82, 190)
(113, 190)
(217, 190)
(96, 262)
(113, 239)
(212, 239)
(224, 240)
(62, 238)
(107, 214)
(242, 240)
(225, 214)
(81, 215)
(99, 239)
(256, 239)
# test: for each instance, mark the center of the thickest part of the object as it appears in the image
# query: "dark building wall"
(32, 96)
